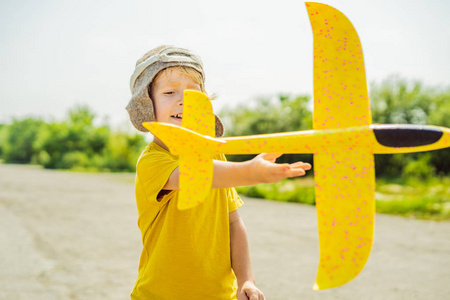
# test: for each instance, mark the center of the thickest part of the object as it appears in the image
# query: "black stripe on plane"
(406, 135)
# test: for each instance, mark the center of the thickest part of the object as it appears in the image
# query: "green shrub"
(72, 144)
(122, 151)
(74, 160)
(18, 139)
(3, 137)
(52, 143)
(420, 168)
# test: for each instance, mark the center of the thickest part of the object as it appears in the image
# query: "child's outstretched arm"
(261, 169)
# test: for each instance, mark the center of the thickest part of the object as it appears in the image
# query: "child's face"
(167, 95)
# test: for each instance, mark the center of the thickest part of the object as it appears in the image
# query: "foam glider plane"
(343, 141)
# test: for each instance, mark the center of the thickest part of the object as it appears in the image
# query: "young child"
(200, 253)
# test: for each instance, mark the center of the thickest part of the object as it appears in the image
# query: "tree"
(18, 140)
(279, 114)
(72, 143)
(396, 100)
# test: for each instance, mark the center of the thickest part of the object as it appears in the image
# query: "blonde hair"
(185, 71)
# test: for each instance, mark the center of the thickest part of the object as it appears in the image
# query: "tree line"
(394, 100)
(77, 143)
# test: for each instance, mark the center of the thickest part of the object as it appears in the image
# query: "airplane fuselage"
(375, 138)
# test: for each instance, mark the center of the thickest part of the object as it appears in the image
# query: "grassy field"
(413, 198)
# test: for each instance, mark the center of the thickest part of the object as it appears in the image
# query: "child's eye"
(169, 93)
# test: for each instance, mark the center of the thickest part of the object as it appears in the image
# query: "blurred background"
(65, 69)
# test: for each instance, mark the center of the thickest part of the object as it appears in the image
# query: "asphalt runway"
(68, 235)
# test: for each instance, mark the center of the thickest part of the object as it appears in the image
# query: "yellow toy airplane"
(343, 142)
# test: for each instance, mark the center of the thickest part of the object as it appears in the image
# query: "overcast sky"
(55, 54)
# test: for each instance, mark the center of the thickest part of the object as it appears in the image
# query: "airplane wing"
(345, 191)
(340, 87)
(344, 177)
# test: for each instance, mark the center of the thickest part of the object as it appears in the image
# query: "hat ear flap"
(140, 108)
(219, 127)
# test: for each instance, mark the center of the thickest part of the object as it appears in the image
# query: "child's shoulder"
(153, 153)
(155, 149)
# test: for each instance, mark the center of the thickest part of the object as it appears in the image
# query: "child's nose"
(180, 100)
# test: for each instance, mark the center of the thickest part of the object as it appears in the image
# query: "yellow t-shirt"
(186, 254)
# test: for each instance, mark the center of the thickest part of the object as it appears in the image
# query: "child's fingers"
(275, 172)
(287, 170)
(300, 164)
(294, 172)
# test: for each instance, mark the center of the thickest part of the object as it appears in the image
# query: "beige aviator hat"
(140, 108)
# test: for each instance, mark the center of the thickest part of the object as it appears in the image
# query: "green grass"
(422, 199)
(293, 190)
(408, 197)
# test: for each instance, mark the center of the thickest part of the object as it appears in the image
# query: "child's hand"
(248, 291)
(264, 169)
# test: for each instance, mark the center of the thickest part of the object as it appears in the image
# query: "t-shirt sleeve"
(234, 201)
(153, 170)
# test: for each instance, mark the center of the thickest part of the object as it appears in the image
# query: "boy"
(201, 253)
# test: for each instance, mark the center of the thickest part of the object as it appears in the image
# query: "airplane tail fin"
(194, 143)
(196, 153)
(198, 113)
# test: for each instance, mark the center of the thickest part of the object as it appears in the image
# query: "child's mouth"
(177, 116)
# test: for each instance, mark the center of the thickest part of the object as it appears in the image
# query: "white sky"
(55, 54)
